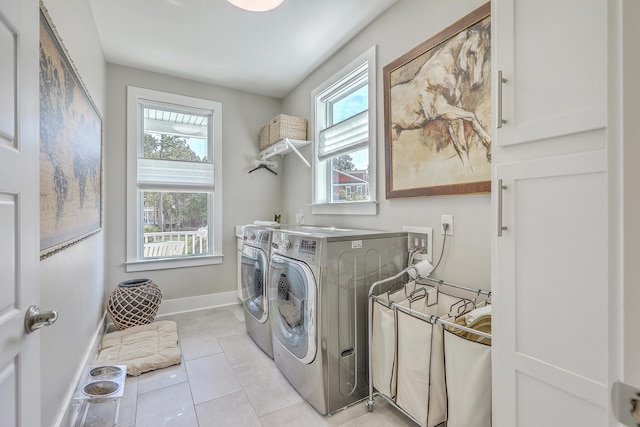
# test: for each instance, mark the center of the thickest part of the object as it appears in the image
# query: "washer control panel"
(308, 246)
(257, 237)
(305, 248)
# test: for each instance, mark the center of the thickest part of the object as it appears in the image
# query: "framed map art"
(70, 149)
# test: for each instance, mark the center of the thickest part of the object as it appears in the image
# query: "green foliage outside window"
(176, 211)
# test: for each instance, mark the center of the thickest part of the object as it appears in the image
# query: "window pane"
(350, 177)
(176, 217)
(350, 105)
(344, 113)
(173, 135)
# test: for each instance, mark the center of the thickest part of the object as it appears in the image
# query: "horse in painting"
(435, 92)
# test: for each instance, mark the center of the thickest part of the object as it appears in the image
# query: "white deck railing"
(195, 241)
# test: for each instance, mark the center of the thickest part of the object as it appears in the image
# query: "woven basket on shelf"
(284, 126)
(264, 137)
(134, 302)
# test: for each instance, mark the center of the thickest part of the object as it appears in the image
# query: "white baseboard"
(200, 302)
(65, 414)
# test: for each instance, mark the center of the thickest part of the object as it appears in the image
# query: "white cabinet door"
(565, 271)
(19, 212)
(550, 346)
(552, 54)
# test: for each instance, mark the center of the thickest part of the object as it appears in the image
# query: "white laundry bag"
(383, 349)
(468, 375)
(383, 346)
(414, 366)
(421, 390)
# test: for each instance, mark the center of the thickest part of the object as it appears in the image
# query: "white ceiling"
(267, 53)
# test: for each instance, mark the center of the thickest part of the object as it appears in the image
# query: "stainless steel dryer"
(254, 273)
(318, 283)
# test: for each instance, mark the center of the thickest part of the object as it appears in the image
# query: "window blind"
(344, 137)
(176, 175)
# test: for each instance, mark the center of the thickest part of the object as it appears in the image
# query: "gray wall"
(408, 23)
(76, 281)
(72, 281)
(246, 197)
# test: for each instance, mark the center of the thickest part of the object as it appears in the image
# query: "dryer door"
(254, 269)
(292, 297)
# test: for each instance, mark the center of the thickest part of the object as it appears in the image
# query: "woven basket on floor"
(134, 302)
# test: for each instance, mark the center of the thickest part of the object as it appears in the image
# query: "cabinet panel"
(560, 239)
(556, 409)
(552, 55)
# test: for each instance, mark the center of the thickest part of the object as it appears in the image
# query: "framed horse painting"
(437, 111)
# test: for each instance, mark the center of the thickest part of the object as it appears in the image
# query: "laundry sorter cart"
(430, 351)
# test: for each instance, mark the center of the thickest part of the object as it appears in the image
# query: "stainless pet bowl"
(101, 388)
(105, 372)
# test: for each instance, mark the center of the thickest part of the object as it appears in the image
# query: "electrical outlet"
(446, 219)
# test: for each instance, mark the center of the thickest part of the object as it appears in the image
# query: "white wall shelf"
(285, 147)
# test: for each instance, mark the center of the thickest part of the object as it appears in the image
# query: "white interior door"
(19, 212)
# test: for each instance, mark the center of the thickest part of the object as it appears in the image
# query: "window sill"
(167, 263)
(346, 208)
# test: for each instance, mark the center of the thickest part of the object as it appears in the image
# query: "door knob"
(626, 404)
(34, 319)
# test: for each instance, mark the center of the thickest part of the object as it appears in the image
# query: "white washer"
(254, 273)
(318, 283)
(239, 229)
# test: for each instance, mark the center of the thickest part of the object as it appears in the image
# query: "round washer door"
(253, 270)
(292, 300)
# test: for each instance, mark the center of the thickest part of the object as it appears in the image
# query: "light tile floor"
(225, 380)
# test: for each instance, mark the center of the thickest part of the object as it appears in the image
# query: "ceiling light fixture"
(256, 5)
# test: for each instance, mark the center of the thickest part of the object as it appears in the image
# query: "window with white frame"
(173, 188)
(344, 140)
